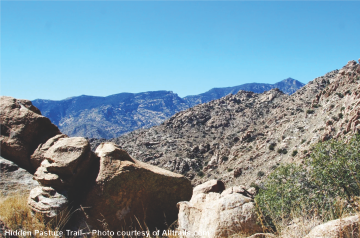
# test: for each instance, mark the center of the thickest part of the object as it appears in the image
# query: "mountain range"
(114, 115)
(241, 138)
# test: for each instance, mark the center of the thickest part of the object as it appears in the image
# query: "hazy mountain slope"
(112, 116)
(108, 117)
(288, 86)
(241, 138)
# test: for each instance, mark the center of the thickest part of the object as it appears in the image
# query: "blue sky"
(54, 50)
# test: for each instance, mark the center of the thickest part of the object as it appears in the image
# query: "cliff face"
(241, 138)
(112, 116)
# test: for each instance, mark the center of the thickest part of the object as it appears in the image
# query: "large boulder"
(129, 193)
(211, 214)
(347, 227)
(213, 185)
(23, 128)
(64, 162)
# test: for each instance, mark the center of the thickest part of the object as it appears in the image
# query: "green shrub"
(272, 146)
(284, 190)
(282, 151)
(260, 174)
(326, 187)
(340, 115)
(294, 153)
(310, 111)
(340, 95)
(336, 167)
(229, 169)
(334, 118)
(200, 174)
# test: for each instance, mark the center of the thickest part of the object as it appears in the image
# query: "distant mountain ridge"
(114, 115)
(288, 86)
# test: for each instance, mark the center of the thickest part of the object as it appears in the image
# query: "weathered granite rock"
(64, 161)
(39, 154)
(127, 190)
(218, 215)
(215, 186)
(14, 179)
(23, 128)
(47, 201)
(341, 228)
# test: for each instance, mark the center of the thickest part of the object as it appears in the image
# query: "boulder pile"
(112, 187)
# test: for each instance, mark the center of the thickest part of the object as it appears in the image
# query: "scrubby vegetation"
(325, 187)
(16, 215)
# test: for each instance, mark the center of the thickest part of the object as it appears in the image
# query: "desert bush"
(336, 165)
(260, 174)
(326, 186)
(310, 111)
(340, 95)
(282, 151)
(272, 146)
(200, 174)
(294, 153)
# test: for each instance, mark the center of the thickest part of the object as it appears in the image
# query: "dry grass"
(16, 215)
(298, 227)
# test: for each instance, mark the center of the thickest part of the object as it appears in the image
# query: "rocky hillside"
(288, 86)
(241, 138)
(112, 116)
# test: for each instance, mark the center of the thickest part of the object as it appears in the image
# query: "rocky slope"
(288, 86)
(112, 116)
(241, 138)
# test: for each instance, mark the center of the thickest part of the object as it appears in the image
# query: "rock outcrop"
(64, 162)
(215, 186)
(347, 227)
(128, 193)
(23, 128)
(215, 214)
(14, 179)
(65, 168)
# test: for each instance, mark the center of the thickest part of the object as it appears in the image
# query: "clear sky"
(58, 49)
